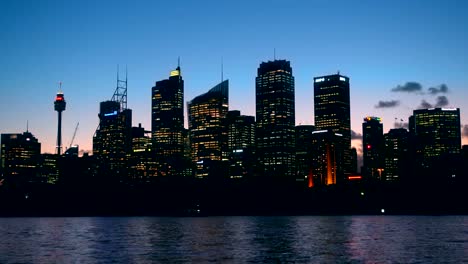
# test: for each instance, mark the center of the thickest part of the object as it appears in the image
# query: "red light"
(369, 146)
(58, 98)
(356, 177)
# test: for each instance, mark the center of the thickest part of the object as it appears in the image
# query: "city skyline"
(390, 63)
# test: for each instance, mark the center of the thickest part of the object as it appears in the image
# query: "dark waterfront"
(299, 239)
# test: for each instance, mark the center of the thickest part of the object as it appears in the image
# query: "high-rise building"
(304, 150)
(396, 154)
(275, 115)
(209, 131)
(373, 148)
(438, 136)
(325, 157)
(20, 158)
(241, 144)
(112, 141)
(141, 163)
(48, 168)
(332, 112)
(167, 123)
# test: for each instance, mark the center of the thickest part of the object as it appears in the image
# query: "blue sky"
(378, 44)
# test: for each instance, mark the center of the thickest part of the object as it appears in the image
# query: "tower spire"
(274, 53)
(222, 69)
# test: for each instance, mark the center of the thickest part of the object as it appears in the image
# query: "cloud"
(409, 87)
(355, 135)
(438, 89)
(401, 125)
(425, 104)
(441, 101)
(387, 104)
(465, 131)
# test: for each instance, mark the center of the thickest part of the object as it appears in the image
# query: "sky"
(399, 55)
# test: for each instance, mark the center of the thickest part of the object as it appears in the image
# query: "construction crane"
(74, 134)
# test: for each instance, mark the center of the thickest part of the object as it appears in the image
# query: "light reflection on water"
(299, 239)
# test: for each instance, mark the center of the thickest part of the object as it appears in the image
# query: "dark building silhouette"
(303, 134)
(209, 131)
(142, 163)
(241, 144)
(438, 133)
(112, 141)
(48, 168)
(397, 155)
(20, 158)
(373, 148)
(438, 140)
(325, 157)
(59, 106)
(275, 116)
(332, 112)
(167, 123)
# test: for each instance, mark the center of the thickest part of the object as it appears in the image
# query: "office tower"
(59, 105)
(209, 131)
(332, 112)
(241, 144)
(303, 138)
(167, 123)
(396, 154)
(325, 157)
(275, 116)
(438, 139)
(112, 140)
(48, 168)
(142, 164)
(373, 148)
(20, 158)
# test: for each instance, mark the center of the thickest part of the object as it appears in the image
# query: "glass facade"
(209, 131)
(113, 140)
(275, 115)
(438, 134)
(167, 123)
(332, 112)
(241, 144)
(20, 158)
(396, 154)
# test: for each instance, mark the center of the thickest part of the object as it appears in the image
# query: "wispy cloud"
(401, 125)
(409, 87)
(438, 89)
(387, 104)
(355, 135)
(441, 101)
(425, 104)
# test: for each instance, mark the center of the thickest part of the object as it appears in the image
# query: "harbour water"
(298, 239)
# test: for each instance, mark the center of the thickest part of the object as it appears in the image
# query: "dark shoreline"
(184, 197)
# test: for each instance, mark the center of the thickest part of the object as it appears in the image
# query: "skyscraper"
(373, 148)
(209, 131)
(241, 144)
(275, 115)
(112, 140)
(20, 158)
(396, 154)
(167, 123)
(438, 136)
(332, 112)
